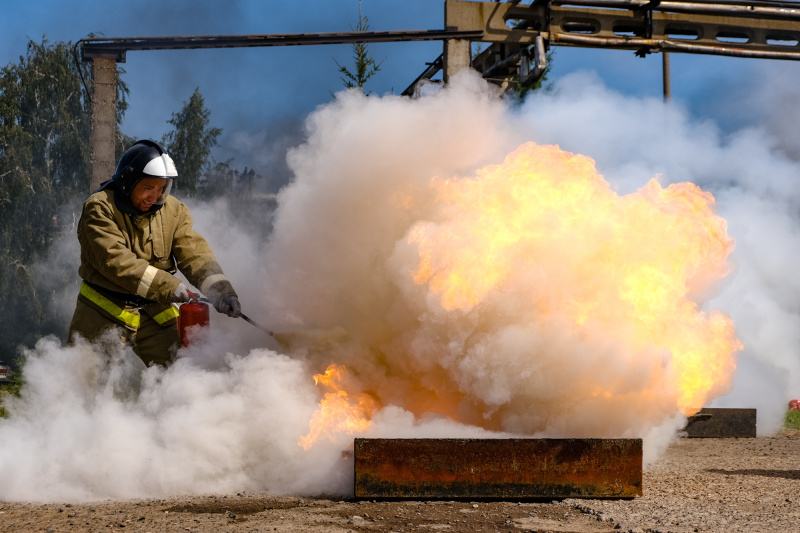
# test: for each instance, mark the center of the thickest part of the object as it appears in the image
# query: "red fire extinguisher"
(192, 313)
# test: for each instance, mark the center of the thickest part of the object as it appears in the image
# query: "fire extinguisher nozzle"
(244, 316)
(262, 328)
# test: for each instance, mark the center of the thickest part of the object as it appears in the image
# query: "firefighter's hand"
(181, 294)
(224, 299)
(229, 306)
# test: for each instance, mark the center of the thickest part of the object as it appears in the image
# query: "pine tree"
(365, 65)
(190, 142)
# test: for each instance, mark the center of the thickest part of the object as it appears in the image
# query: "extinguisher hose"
(244, 316)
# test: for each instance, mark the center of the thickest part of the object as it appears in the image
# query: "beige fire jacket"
(139, 255)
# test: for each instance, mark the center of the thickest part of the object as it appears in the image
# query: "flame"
(634, 266)
(338, 411)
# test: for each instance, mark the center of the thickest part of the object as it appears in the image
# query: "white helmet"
(145, 159)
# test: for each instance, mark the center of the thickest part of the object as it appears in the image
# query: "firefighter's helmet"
(145, 159)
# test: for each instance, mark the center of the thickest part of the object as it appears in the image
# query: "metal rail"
(116, 48)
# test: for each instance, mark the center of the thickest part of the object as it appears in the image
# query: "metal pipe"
(513, 59)
(532, 75)
(631, 4)
(662, 45)
(696, 6)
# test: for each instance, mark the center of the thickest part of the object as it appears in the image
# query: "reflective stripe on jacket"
(168, 314)
(128, 316)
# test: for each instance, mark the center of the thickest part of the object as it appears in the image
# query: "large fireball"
(547, 303)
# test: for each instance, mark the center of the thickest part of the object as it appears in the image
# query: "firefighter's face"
(146, 192)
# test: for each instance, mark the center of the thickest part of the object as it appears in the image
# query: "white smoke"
(228, 415)
(79, 433)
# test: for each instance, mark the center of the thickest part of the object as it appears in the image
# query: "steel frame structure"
(740, 28)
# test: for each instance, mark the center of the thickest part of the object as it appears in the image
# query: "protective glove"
(181, 294)
(224, 299)
(229, 306)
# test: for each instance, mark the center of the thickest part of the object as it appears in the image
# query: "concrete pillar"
(104, 119)
(458, 52)
(457, 57)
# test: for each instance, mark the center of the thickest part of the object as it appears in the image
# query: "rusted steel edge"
(491, 469)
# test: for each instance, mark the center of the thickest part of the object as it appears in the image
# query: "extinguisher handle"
(192, 296)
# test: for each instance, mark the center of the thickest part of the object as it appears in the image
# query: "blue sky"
(260, 89)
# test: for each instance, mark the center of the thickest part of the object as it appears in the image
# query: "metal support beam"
(433, 67)
(498, 468)
(104, 119)
(100, 46)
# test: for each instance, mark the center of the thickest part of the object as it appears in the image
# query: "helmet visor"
(163, 197)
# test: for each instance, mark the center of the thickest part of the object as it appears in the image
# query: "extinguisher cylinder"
(192, 314)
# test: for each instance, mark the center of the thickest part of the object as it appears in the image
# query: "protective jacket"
(128, 262)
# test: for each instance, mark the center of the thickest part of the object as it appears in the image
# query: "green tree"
(190, 142)
(44, 164)
(365, 64)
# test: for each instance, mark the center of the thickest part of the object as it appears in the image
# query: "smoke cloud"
(336, 279)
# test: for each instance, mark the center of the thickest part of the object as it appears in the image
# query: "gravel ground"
(703, 485)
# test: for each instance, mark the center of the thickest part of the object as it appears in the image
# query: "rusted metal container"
(497, 468)
(717, 423)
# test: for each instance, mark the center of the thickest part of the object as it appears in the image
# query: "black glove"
(229, 306)
(224, 299)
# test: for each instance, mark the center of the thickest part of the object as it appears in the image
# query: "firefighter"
(134, 237)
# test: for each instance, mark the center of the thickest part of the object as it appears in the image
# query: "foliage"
(365, 65)
(10, 387)
(792, 419)
(224, 180)
(44, 163)
(190, 142)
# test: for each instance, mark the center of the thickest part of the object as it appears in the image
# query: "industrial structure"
(519, 35)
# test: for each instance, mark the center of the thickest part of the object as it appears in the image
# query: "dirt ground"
(699, 485)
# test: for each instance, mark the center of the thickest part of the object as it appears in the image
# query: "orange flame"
(337, 411)
(634, 266)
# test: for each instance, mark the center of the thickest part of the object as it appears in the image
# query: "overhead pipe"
(662, 45)
(694, 7)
